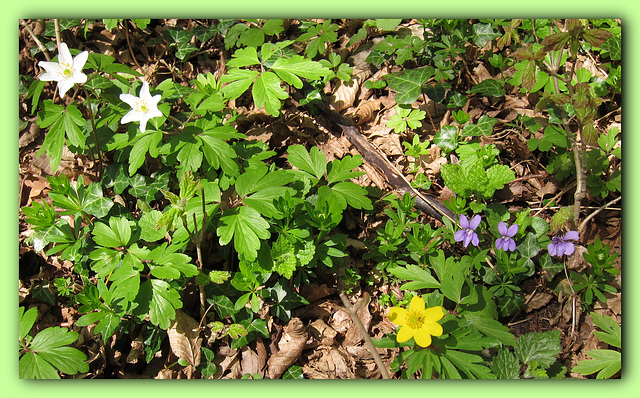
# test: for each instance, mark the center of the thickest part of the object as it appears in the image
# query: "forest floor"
(335, 348)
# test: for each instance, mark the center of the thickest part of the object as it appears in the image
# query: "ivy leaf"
(483, 34)
(491, 87)
(530, 246)
(267, 92)
(484, 126)
(408, 84)
(447, 138)
(246, 227)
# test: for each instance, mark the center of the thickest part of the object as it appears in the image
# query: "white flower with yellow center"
(67, 71)
(143, 108)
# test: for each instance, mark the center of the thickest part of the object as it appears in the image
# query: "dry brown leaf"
(539, 300)
(290, 345)
(184, 338)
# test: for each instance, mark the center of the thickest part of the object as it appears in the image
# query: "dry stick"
(365, 335)
(590, 216)
(126, 35)
(56, 24)
(36, 40)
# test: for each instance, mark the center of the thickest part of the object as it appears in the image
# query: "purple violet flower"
(467, 233)
(506, 242)
(560, 246)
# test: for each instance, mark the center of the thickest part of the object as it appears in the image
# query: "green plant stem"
(93, 130)
(365, 335)
(579, 153)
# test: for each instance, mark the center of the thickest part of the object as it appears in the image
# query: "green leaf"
(117, 234)
(170, 265)
(530, 246)
(505, 365)
(447, 138)
(471, 364)
(239, 81)
(48, 350)
(290, 69)
(147, 224)
(354, 194)
(451, 273)
(244, 57)
(26, 321)
(605, 362)
(217, 151)
(611, 332)
(540, 347)
(313, 162)
(246, 227)
(483, 34)
(207, 366)
(342, 169)
(190, 155)
(491, 87)
(484, 126)
(489, 327)
(420, 277)
(157, 298)
(408, 84)
(267, 92)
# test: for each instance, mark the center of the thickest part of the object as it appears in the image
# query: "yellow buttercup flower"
(417, 322)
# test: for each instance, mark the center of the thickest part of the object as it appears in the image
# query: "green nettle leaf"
(246, 227)
(491, 87)
(267, 92)
(505, 365)
(284, 257)
(408, 84)
(540, 347)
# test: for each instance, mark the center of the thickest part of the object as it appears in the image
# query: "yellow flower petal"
(398, 315)
(422, 339)
(432, 328)
(434, 313)
(404, 334)
(417, 304)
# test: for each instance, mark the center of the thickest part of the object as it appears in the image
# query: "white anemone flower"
(67, 71)
(143, 108)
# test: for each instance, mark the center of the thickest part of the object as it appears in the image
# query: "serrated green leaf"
(489, 327)
(48, 345)
(471, 364)
(157, 298)
(239, 81)
(267, 92)
(342, 169)
(125, 282)
(505, 365)
(244, 57)
(147, 224)
(290, 69)
(605, 362)
(246, 227)
(611, 331)
(313, 162)
(190, 155)
(540, 347)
